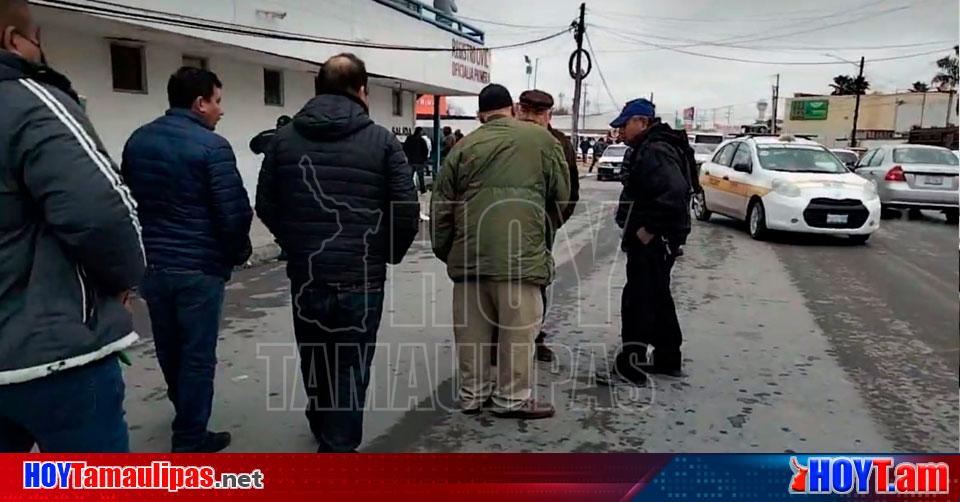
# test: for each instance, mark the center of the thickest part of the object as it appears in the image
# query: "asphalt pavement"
(801, 344)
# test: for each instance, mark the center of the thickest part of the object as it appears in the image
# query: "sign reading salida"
(470, 62)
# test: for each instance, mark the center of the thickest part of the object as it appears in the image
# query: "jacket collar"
(13, 67)
(494, 118)
(188, 114)
(349, 96)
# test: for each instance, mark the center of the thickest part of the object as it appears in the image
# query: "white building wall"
(86, 60)
(360, 20)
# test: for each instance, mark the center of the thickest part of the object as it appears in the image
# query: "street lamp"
(533, 68)
(526, 59)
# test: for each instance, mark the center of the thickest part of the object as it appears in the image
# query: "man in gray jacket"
(70, 251)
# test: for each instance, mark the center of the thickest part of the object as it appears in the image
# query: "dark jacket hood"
(13, 67)
(332, 116)
(661, 132)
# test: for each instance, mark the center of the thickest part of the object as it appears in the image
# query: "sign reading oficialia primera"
(471, 63)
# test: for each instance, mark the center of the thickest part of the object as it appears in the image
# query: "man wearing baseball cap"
(654, 213)
(536, 107)
(491, 203)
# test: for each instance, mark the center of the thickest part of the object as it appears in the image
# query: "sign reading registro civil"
(471, 62)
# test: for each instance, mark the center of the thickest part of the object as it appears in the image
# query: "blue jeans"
(79, 410)
(185, 309)
(336, 333)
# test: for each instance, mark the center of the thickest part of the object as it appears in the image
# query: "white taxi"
(786, 184)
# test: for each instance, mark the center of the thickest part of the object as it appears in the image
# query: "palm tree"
(841, 85)
(946, 79)
(919, 86)
(845, 85)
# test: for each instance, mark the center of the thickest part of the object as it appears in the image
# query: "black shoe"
(614, 379)
(673, 371)
(476, 411)
(530, 410)
(214, 442)
(544, 354)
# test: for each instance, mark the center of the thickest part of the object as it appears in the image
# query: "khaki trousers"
(480, 309)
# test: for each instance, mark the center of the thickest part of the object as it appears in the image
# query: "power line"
(746, 19)
(510, 25)
(755, 61)
(770, 48)
(603, 79)
(732, 42)
(163, 18)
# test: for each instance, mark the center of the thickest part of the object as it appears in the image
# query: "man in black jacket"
(654, 213)
(196, 223)
(415, 148)
(337, 192)
(70, 251)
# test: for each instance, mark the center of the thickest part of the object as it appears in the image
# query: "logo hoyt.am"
(873, 475)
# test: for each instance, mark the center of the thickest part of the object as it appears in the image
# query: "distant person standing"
(458, 135)
(584, 148)
(417, 152)
(598, 149)
(415, 148)
(196, 223)
(506, 179)
(70, 252)
(357, 214)
(449, 140)
(261, 141)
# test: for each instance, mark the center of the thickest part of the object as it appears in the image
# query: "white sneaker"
(424, 217)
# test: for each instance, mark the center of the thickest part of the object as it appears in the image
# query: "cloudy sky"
(657, 46)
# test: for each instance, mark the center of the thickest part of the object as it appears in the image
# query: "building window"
(272, 87)
(129, 70)
(197, 62)
(397, 103)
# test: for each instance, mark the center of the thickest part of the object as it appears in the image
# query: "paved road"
(802, 344)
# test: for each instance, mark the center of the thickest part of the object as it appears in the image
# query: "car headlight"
(870, 191)
(786, 188)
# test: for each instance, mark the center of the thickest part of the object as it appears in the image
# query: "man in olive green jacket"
(490, 208)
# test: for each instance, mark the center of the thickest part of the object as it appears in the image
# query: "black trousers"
(648, 313)
(419, 169)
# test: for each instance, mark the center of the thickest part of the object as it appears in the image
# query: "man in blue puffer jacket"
(196, 223)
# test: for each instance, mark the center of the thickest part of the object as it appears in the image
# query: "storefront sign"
(471, 62)
(814, 109)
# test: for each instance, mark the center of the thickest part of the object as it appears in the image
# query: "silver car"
(914, 177)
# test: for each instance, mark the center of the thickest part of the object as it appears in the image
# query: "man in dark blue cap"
(655, 216)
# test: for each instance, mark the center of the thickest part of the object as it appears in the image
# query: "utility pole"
(923, 107)
(536, 72)
(856, 107)
(580, 28)
(776, 102)
(584, 104)
(950, 95)
(729, 114)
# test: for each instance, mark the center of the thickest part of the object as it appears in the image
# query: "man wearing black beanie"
(490, 208)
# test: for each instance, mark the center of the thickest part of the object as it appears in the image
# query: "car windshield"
(704, 149)
(924, 156)
(848, 158)
(615, 151)
(794, 159)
